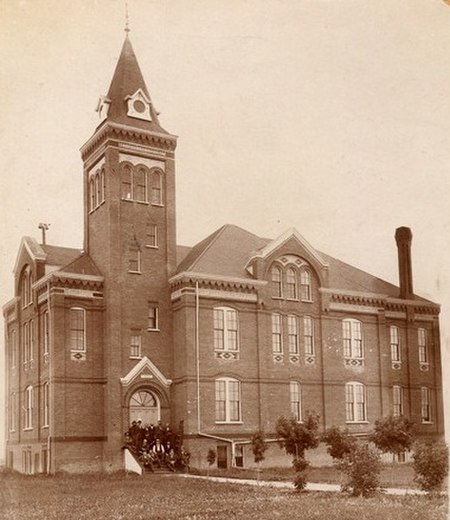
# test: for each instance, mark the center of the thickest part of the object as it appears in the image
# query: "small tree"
(296, 438)
(339, 442)
(393, 434)
(211, 458)
(362, 465)
(259, 447)
(430, 463)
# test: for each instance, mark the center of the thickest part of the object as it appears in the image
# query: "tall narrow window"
(153, 317)
(425, 404)
(291, 283)
(228, 400)
(103, 184)
(277, 344)
(308, 335)
(46, 406)
(126, 183)
(156, 193)
(293, 334)
(12, 349)
(98, 190)
(355, 402)
(45, 333)
(12, 412)
(152, 235)
(276, 281)
(397, 400)
(134, 260)
(77, 329)
(352, 336)
(423, 345)
(92, 194)
(31, 342)
(395, 343)
(28, 408)
(140, 185)
(225, 329)
(135, 345)
(305, 285)
(296, 405)
(25, 343)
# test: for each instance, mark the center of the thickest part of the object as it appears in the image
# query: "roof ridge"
(217, 233)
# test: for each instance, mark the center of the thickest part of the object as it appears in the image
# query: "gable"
(145, 370)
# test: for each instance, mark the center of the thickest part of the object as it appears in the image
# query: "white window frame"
(293, 333)
(126, 173)
(394, 340)
(397, 400)
(91, 193)
(277, 333)
(422, 341)
(305, 285)
(291, 283)
(355, 408)
(425, 405)
(12, 412)
(46, 332)
(28, 408)
(103, 184)
(136, 336)
(13, 349)
(308, 336)
(352, 339)
(137, 170)
(295, 394)
(223, 387)
(25, 341)
(276, 276)
(31, 340)
(226, 329)
(134, 255)
(152, 236)
(72, 349)
(156, 176)
(46, 403)
(155, 317)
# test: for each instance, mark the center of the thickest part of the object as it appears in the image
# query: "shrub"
(362, 467)
(211, 457)
(339, 442)
(259, 446)
(393, 434)
(430, 463)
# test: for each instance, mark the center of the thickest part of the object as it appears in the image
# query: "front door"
(144, 406)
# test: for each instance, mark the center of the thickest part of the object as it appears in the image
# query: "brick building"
(226, 336)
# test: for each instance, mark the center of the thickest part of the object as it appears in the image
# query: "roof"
(227, 251)
(59, 256)
(126, 81)
(82, 265)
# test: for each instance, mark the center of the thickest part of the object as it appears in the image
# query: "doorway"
(145, 406)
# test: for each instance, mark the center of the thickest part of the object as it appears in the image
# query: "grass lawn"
(114, 497)
(399, 475)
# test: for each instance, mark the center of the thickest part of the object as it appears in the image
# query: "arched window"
(228, 400)
(12, 411)
(305, 285)
(276, 281)
(395, 343)
(25, 343)
(31, 342)
(293, 334)
(308, 335)
(126, 192)
(140, 185)
(156, 188)
(98, 190)
(352, 338)
(28, 408)
(25, 286)
(145, 407)
(291, 283)
(355, 402)
(92, 194)
(12, 349)
(225, 329)
(77, 329)
(296, 402)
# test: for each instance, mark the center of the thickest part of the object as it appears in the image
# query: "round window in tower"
(139, 106)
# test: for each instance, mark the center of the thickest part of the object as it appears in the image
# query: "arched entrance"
(145, 406)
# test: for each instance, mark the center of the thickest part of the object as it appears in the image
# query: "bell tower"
(129, 220)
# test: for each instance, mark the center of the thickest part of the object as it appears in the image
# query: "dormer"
(139, 105)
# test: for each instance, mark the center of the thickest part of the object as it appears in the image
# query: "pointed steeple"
(128, 101)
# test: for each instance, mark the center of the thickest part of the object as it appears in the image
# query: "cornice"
(116, 130)
(73, 279)
(190, 277)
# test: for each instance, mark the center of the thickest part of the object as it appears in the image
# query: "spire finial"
(127, 19)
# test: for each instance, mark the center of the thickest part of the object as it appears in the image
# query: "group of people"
(157, 446)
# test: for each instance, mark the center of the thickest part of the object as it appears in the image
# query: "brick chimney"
(403, 237)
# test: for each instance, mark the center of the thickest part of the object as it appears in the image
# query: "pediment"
(29, 251)
(139, 105)
(145, 370)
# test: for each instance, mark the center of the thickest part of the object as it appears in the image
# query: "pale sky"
(330, 116)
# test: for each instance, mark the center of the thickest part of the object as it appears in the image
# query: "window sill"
(157, 205)
(153, 330)
(135, 357)
(427, 422)
(45, 427)
(229, 422)
(151, 247)
(134, 272)
(292, 299)
(356, 422)
(278, 298)
(307, 301)
(28, 429)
